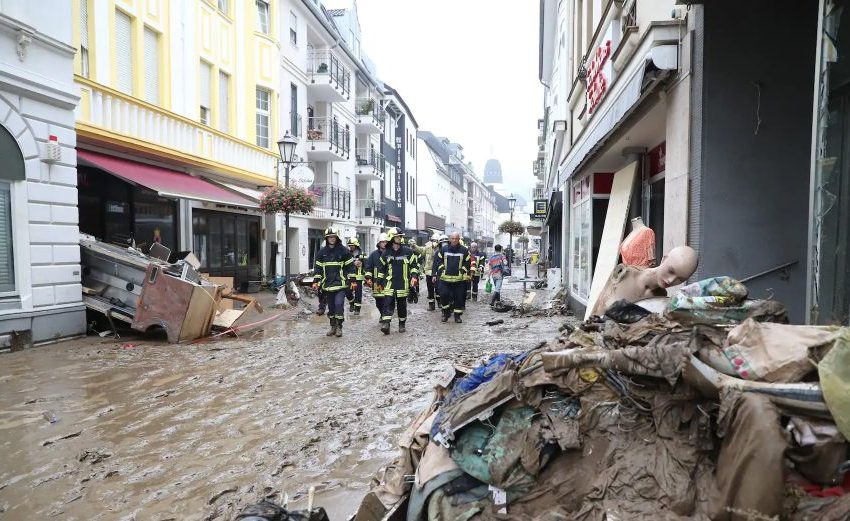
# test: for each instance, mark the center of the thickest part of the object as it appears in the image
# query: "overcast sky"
(468, 71)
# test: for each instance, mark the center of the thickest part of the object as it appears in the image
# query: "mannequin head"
(676, 267)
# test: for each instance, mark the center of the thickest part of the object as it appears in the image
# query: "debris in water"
(51, 441)
(50, 416)
(495, 322)
(220, 494)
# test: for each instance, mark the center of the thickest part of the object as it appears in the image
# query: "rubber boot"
(351, 307)
(385, 327)
(458, 320)
(401, 327)
(332, 330)
(431, 306)
(446, 315)
(338, 327)
(475, 297)
(356, 310)
(320, 311)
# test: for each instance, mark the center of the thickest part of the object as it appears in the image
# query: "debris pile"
(714, 408)
(148, 291)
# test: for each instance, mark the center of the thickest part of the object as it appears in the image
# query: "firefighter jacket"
(451, 263)
(397, 267)
(372, 266)
(477, 260)
(357, 273)
(333, 266)
(426, 257)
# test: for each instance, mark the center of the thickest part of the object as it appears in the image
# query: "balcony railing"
(371, 157)
(124, 117)
(370, 211)
(330, 131)
(333, 198)
(325, 67)
(370, 106)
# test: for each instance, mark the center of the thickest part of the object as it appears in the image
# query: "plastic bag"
(489, 286)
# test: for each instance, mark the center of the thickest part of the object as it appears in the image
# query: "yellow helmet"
(392, 233)
(354, 241)
(332, 231)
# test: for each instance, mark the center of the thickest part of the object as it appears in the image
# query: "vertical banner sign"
(399, 152)
(599, 69)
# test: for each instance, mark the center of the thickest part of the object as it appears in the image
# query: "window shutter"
(206, 96)
(7, 266)
(223, 102)
(124, 52)
(151, 66)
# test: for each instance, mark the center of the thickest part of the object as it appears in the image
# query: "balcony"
(329, 79)
(370, 116)
(370, 165)
(370, 212)
(327, 140)
(334, 200)
(108, 115)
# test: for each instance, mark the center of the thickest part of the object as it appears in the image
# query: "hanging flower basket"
(282, 200)
(512, 227)
(522, 239)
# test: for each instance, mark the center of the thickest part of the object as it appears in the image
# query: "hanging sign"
(599, 70)
(302, 176)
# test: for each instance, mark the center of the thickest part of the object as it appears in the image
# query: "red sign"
(657, 157)
(597, 81)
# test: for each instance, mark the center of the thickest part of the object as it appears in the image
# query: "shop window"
(155, 219)
(581, 220)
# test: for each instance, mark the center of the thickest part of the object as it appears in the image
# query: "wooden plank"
(612, 234)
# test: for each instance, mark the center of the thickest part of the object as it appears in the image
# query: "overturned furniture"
(145, 292)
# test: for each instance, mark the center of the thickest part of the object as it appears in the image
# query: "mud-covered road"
(160, 431)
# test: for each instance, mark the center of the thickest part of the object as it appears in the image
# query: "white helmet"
(435, 237)
(444, 238)
(382, 237)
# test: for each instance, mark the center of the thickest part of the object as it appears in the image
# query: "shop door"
(315, 239)
(228, 245)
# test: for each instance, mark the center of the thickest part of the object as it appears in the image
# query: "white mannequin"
(632, 284)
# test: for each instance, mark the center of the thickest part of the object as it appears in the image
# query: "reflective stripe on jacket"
(333, 265)
(397, 267)
(451, 263)
(357, 273)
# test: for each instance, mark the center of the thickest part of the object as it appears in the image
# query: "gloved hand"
(414, 281)
(434, 279)
(411, 242)
(353, 285)
(379, 288)
(315, 285)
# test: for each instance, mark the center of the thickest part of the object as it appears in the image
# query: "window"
(224, 6)
(223, 102)
(263, 17)
(263, 114)
(293, 111)
(582, 221)
(206, 93)
(84, 38)
(123, 52)
(7, 263)
(293, 28)
(151, 45)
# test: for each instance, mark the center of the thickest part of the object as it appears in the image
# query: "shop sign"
(540, 207)
(302, 177)
(599, 70)
(399, 170)
(657, 159)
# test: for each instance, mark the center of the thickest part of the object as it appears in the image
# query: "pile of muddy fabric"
(692, 413)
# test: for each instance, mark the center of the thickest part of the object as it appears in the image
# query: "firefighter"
(398, 269)
(413, 296)
(426, 264)
(354, 293)
(477, 259)
(373, 268)
(451, 268)
(333, 267)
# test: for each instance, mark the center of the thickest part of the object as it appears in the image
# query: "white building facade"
(40, 291)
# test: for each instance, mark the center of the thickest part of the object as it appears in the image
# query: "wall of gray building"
(758, 73)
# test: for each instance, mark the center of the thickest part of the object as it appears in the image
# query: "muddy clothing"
(333, 266)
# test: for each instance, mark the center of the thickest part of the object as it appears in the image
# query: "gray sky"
(468, 71)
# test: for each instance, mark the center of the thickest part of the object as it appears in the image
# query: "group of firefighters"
(452, 274)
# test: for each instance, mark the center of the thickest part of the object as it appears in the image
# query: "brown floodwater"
(157, 431)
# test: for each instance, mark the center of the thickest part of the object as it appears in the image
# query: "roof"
(395, 93)
(502, 205)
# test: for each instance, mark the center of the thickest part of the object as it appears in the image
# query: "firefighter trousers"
(391, 302)
(453, 296)
(355, 296)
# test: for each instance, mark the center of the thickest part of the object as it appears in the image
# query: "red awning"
(393, 218)
(167, 183)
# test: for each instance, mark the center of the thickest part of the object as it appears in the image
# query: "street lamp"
(286, 145)
(511, 205)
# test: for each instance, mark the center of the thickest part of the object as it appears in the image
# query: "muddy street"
(159, 431)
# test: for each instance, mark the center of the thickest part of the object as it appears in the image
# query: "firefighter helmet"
(354, 241)
(332, 231)
(382, 237)
(394, 232)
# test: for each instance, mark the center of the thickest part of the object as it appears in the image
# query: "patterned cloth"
(638, 249)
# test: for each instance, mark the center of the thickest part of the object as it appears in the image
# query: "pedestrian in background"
(373, 268)
(334, 265)
(477, 259)
(499, 268)
(354, 293)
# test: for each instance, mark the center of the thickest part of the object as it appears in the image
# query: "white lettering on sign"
(399, 169)
(599, 69)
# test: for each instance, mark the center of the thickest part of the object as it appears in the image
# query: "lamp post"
(287, 146)
(511, 205)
